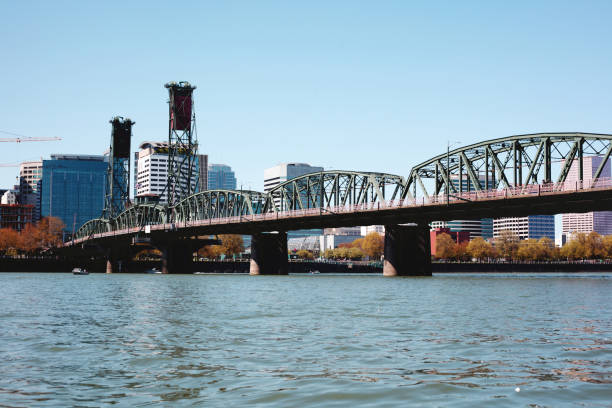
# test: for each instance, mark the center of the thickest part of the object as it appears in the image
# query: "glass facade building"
(221, 177)
(73, 188)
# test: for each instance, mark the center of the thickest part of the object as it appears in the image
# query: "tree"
(446, 247)
(373, 245)
(9, 240)
(304, 254)
(355, 254)
(479, 248)
(507, 244)
(210, 251)
(329, 254)
(231, 244)
(50, 231)
(607, 246)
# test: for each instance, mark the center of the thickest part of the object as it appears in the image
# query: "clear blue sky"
(377, 85)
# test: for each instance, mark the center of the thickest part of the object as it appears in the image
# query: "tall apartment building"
(276, 175)
(598, 221)
(221, 177)
(530, 227)
(30, 176)
(73, 188)
(151, 171)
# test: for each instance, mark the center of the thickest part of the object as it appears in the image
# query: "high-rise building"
(530, 227)
(477, 228)
(73, 188)
(151, 171)
(30, 175)
(287, 171)
(221, 177)
(598, 221)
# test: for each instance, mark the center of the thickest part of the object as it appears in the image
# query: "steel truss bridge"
(510, 176)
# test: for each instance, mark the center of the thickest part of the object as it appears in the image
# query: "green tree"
(304, 254)
(355, 254)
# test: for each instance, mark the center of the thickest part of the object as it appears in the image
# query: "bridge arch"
(210, 204)
(333, 188)
(508, 162)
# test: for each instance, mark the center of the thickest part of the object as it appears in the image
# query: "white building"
(598, 221)
(365, 230)
(151, 171)
(9, 197)
(286, 171)
(30, 176)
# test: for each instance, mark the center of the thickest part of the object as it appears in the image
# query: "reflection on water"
(451, 340)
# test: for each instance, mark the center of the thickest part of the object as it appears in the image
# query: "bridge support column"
(177, 257)
(407, 251)
(269, 254)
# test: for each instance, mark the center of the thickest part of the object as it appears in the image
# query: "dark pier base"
(177, 257)
(269, 254)
(407, 251)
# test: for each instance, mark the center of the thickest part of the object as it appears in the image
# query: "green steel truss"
(495, 164)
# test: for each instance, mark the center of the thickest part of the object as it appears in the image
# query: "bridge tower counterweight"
(117, 194)
(182, 143)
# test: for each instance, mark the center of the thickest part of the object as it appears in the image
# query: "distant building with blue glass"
(221, 177)
(73, 188)
(530, 227)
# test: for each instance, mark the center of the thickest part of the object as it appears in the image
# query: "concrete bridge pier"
(177, 257)
(269, 254)
(113, 263)
(407, 251)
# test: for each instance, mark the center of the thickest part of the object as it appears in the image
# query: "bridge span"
(513, 176)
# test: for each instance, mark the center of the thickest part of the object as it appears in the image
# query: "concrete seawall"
(64, 265)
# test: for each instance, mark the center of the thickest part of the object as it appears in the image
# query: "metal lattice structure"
(117, 196)
(328, 189)
(512, 163)
(540, 158)
(182, 143)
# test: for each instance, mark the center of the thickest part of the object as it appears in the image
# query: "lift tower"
(118, 174)
(182, 143)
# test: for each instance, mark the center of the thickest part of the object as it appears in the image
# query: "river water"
(309, 340)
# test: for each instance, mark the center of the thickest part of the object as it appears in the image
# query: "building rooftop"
(83, 157)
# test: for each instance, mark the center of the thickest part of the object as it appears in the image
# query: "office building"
(15, 216)
(530, 227)
(476, 228)
(365, 230)
(286, 171)
(221, 177)
(30, 176)
(598, 221)
(278, 174)
(73, 188)
(151, 171)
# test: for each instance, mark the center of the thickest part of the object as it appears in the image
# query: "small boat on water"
(80, 271)
(153, 270)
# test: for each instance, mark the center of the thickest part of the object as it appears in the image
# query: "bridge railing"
(442, 199)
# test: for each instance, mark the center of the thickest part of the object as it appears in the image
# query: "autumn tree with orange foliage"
(34, 237)
(446, 247)
(373, 245)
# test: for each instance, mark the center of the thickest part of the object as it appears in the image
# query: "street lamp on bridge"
(449, 144)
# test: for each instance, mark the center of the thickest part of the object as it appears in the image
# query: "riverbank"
(66, 265)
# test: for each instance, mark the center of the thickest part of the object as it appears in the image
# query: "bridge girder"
(507, 162)
(493, 164)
